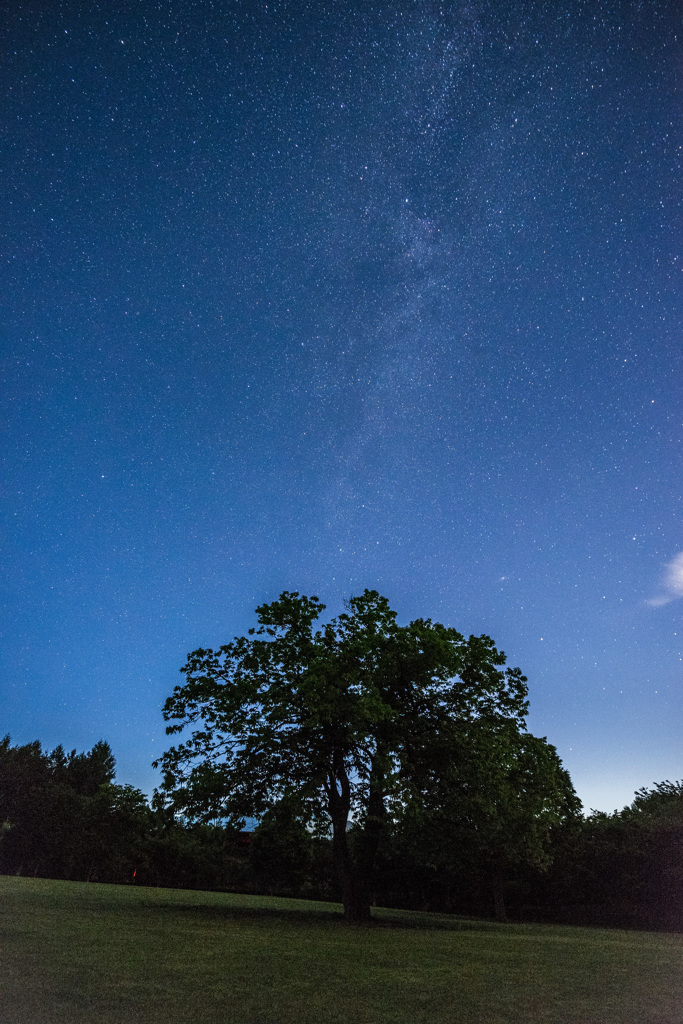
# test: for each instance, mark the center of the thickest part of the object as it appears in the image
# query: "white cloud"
(674, 575)
(672, 583)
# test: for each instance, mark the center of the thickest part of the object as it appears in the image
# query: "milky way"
(339, 296)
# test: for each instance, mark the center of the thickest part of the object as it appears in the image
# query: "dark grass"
(73, 953)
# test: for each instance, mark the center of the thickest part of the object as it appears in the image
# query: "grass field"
(72, 953)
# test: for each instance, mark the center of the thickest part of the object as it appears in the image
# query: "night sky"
(338, 295)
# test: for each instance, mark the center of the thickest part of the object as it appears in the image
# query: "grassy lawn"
(73, 952)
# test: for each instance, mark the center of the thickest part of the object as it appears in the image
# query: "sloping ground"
(73, 953)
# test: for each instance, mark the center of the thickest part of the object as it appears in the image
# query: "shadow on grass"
(424, 921)
(211, 912)
(382, 918)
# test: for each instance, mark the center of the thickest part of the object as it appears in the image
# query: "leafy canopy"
(328, 715)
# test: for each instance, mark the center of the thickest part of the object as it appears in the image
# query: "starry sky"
(327, 296)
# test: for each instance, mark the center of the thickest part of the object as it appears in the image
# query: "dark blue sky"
(333, 296)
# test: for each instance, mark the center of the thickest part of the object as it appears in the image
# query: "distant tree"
(623, 869)
(64, 815)
(84, 773)
(281, 851)
(192, 855)
(347, 722)
(113, 836)
(490, 808)
(25, 805)
(662, 805)
(533, 797)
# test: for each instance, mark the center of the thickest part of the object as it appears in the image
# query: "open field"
(73, 953)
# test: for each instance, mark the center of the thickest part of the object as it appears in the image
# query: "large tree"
(347, 721)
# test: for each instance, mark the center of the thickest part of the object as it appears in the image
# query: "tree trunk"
(355, 889)
(355, 879)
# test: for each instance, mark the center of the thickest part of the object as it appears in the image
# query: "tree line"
(63, 816)
(385, 764)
